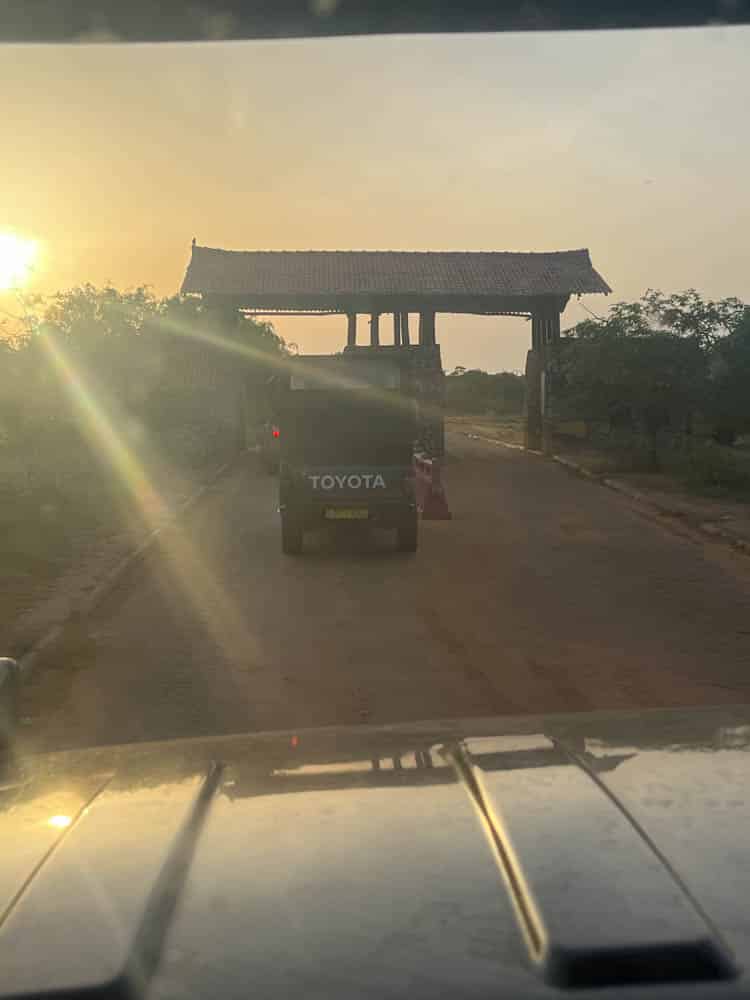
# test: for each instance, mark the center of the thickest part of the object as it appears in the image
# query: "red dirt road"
(545, 593)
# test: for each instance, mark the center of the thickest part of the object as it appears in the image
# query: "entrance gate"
(536, 286)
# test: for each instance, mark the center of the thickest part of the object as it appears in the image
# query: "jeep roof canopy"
(344, 373)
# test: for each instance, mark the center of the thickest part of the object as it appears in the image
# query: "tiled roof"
(259, 273)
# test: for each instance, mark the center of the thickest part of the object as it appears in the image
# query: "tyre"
(407, 533)
(291, 535)
(9, 692)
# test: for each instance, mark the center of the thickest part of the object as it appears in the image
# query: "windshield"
(543, 235)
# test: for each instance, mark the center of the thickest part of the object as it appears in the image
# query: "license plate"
(346, 513)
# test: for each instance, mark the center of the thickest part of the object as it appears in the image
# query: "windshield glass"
(531, 248)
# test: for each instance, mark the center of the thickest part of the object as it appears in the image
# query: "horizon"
(626, 143)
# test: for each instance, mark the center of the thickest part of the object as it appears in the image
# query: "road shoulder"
(84, 585)
(727, 521)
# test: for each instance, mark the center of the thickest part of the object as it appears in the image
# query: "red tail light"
(275, 432)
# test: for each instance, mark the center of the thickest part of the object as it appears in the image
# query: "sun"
(17, 256)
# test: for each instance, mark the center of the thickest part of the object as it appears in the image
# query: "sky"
(633, 144)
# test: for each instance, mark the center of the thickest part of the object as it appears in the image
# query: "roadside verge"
(81, 608)
(725, 522)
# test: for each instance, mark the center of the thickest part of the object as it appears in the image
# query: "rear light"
(275, 432)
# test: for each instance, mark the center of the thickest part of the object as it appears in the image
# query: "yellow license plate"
(346, 513)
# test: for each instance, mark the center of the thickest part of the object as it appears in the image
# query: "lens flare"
(280, 365)
(189, 569)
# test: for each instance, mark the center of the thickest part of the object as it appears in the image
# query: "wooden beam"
(331, 302)
(351, 330)
(405, 329)
(397, 329)
(294, 312)
(545, 328)
(375, 329)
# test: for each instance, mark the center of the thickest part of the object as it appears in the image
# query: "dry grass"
(508, 429)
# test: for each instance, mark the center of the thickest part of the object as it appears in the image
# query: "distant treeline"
(477, 392)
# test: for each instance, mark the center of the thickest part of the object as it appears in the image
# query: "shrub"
(102, 387)
(712, 466)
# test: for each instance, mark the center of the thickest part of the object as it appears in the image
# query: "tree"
(628, 371)
(166, 377)
(728, 401)
(203, 348)
(688, 314)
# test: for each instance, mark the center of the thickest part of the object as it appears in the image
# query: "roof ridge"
(272, 276)
(431, 253)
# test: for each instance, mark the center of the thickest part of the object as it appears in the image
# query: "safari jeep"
(346, 449)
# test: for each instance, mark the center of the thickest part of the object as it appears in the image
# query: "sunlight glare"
(17, 256)
(61, 822)
(191, 573)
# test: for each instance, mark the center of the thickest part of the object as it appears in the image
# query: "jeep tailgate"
(356, 484)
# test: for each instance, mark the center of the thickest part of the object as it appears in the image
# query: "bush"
(665, 370)
(711, 466)
(102, 389)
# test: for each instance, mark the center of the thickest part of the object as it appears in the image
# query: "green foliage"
(728, 402)
(652, 366)
(97, 380)
(477, 391)
(720, 469)
(646, 382)
(688, 314)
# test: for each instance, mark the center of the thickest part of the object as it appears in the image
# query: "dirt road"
(544, 593)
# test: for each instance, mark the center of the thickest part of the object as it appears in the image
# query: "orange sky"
(633, 144)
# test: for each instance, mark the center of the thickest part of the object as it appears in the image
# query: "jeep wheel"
(407, 533)
(9, 691)
(291, 535)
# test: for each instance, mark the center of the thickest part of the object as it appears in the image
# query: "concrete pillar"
(545, 331)
(351, 329)
(533, 401)
(537, 331)
(375, 329)
(552, 337)
(554, 328)
(427, 329)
